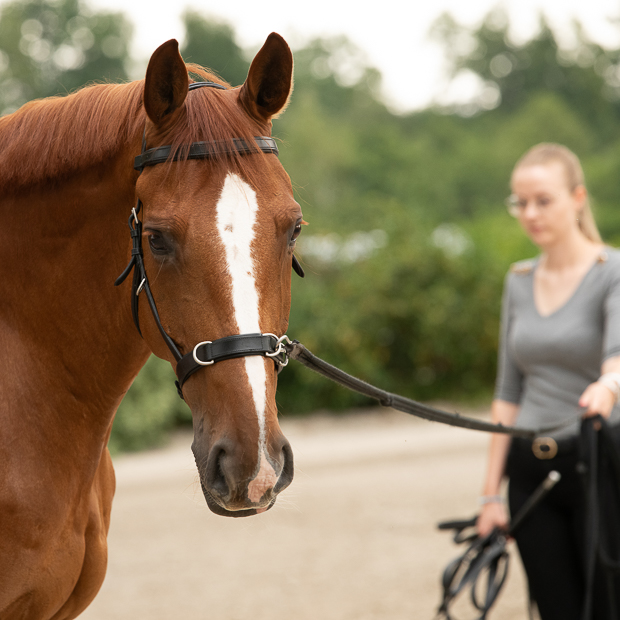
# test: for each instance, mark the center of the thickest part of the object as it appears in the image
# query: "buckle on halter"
(279, 355)
(544, 448)
(195, 355)
(139, 289)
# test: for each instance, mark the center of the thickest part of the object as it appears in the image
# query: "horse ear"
(166, 83)
(270, 80)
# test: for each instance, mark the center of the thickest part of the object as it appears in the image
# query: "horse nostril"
(215, 477)
(288, 468)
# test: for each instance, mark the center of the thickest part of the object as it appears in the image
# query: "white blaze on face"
(237, 209)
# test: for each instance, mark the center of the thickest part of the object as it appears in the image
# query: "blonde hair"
(546, 153)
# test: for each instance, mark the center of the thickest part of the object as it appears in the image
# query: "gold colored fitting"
(544, 448)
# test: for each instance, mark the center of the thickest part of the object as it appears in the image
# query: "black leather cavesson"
(204, 353)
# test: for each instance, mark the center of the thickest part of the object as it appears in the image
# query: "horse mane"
(48, 140)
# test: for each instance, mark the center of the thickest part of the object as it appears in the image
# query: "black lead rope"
(297, 351)
(483, 567)
(599, 463)
(600, 466)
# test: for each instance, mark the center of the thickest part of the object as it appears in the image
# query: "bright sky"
(393, 33)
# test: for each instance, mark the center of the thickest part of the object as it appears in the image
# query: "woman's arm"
(493, 513)
(598, 398)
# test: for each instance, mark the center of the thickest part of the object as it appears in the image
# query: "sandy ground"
(353, 538)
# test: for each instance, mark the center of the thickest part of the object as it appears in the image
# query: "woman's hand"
(492, 515)
(597, 398)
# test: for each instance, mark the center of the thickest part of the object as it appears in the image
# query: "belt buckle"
(544, 448)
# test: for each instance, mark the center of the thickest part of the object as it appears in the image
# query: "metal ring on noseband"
(200, 362)
(280, 350)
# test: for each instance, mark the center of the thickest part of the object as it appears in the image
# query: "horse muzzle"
(230, 491)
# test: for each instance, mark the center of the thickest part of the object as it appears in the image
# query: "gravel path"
(353, 538)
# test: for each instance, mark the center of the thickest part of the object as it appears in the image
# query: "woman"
(559, 361)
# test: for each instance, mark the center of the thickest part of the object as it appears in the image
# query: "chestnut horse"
(218, 235)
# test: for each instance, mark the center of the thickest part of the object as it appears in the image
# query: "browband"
(204, 150)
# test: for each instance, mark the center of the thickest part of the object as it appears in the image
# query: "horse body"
(63, 377)
(219, 239)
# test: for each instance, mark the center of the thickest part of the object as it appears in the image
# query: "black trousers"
(551, 540)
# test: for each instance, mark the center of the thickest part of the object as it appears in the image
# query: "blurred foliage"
(212, 44)
(51, 47)
(587, 75)
(408, 241)
(419, 315)
(149, 410)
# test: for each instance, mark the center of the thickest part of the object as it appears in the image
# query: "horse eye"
(296, 232)
(158, 244)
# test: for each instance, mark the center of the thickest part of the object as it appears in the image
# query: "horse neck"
(73, 348)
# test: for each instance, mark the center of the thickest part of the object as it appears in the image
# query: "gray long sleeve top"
(546, 362)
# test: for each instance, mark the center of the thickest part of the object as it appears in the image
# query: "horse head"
(218, 234)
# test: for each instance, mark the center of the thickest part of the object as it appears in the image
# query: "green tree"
(51, 47)
(584, 77)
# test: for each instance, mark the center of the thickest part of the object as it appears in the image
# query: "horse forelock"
(212, 115)
(47, 140)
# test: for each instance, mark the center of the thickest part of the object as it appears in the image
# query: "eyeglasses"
(516, 206)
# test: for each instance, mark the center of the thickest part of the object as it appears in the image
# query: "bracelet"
(611, 380)
(490, 499)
